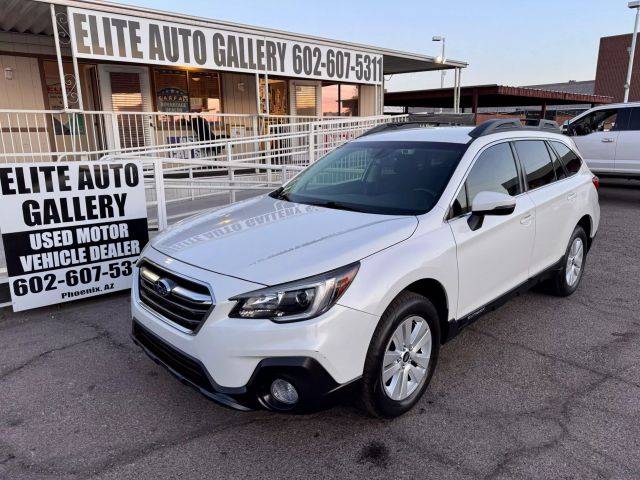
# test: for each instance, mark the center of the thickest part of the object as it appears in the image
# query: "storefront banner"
(71, 230)
(106, 36)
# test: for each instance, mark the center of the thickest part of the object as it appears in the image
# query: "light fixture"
(8, 73)
(284, 392)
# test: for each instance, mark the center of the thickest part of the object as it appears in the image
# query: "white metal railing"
(42, 135)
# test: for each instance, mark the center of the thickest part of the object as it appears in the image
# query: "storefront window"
(339, 100)
(349, 96)
(305, 98)
(278, 96)
(172, 91)
(204, 92)
(331, 100)
(179, 91)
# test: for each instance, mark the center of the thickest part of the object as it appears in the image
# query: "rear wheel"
(402, 356)
(567, 279)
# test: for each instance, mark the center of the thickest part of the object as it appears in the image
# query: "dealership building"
(90, 76)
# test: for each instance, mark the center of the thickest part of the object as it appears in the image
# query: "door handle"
(572, 196)
(607, 140)
(526, 220)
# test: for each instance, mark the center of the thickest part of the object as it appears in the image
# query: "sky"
(515, 42)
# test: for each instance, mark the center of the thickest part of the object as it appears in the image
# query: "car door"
(628, 150)
(494, 258)
(596, 136)
(553, 198)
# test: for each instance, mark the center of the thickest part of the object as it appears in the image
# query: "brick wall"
(611, 73)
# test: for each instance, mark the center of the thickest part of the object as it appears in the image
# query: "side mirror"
(490, 203)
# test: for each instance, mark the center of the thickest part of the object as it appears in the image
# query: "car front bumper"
(233, 361)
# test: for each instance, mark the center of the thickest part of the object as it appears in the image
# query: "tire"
(566, 280)
(377, 395)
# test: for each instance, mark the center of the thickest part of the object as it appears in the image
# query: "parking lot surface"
(544, 387)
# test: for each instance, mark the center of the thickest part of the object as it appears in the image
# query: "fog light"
(284, 392)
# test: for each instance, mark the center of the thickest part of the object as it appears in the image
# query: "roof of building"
(490, 96)
(585, 87)
(33, 16)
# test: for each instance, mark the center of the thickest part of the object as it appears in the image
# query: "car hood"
(271, 241)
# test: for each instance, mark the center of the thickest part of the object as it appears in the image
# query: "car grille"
(184, 302)
(177, 362)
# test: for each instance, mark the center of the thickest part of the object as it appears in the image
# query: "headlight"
(299, 300)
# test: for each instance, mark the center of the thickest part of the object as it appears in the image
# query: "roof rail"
(507, 124)
(496, 125)
(394, 126)
(425, 120)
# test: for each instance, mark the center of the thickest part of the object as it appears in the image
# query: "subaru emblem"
(163, 287)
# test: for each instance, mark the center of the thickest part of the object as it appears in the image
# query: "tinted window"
(536, 162)
(557, 165)
(598, 121)
(398, 178)
(494, 171)
(568, 158)
(460, 205)
(634, 120)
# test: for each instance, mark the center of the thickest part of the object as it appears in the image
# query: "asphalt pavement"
(543, 388)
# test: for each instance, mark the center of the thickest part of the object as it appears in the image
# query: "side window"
(494, 171)
(537, 164)
(598, 121)
(557, 165)
(568, 158)
(634, 119)
(460, 205)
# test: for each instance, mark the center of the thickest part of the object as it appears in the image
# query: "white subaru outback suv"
(352, 275)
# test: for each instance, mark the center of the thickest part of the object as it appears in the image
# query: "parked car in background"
(608, 138)
(353, 274)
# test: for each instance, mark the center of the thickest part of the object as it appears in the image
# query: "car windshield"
(393, 178)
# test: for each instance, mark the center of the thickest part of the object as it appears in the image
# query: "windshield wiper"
(279, 194)
(334, 205)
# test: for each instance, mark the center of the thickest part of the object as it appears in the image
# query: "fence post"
(232, 192)
(160, 197)
(312, 144)
(268, 160)
(191, 184)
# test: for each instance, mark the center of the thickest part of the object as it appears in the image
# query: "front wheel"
(402, 356)
(567, 279)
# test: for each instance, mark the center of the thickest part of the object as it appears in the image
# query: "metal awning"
(479, 96)
(25, 16)
(33, 16)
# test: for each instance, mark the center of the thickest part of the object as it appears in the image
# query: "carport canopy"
(478, 96)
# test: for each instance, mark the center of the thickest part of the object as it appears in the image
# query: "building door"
(126, 90)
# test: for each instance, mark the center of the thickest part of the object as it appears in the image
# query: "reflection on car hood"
(270, 241)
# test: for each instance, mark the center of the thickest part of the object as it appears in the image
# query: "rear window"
(568, 158)
(537, 164)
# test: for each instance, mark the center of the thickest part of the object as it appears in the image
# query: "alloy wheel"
(406, 358)
(574, 262)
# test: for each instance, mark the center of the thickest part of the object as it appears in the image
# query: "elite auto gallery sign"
(108, 36)
(71, 230)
